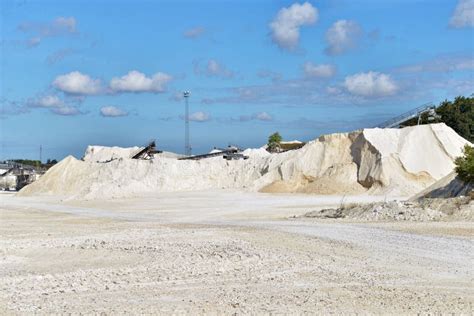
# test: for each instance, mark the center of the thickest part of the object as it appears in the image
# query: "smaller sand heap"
(448, 187)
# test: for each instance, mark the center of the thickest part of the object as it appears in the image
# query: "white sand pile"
(398, 162)
(103, 153)
(106, 154)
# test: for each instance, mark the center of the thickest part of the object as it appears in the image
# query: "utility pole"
(41, 154)
(187, 146)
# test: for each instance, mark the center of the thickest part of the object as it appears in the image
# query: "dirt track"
(96, 257)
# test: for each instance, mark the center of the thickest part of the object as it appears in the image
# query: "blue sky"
(75, 73)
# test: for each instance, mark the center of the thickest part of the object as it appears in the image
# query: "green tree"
(275, 138)
(459, 115)
(274, 141)
(465, 165)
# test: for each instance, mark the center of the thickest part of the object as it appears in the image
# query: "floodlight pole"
(187, 147)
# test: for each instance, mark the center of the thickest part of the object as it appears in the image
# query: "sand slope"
(396, 162)
(448, 186)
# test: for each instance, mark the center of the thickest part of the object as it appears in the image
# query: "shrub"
(465, 165)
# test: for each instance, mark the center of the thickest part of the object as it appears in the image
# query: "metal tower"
(187, 146)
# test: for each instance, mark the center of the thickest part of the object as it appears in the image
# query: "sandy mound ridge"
(397, 162)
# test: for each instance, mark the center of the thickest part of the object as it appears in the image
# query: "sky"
(78, 73)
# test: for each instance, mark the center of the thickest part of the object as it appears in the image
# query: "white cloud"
(342, 36)
(285, 27)
(318, 71)
(263, 116)
(194, 32)
(77, 83)
(8, 107)
(112, 111)
(333, 90)
(65, 24)
(47, 101)
(176, 97)
(67, 111)
(370, 84)
(58, 27)
(463, 14)
(136, 81)
(199, 117)
(274, 76)
(58, 55)
(33, 42)
(260, 116)
(214, 68)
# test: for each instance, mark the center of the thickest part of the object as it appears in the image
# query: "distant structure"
(229, 153)
(14, 176)
(398, 121)
(147, 152)
(187, 146)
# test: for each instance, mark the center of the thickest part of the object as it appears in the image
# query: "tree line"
(457, 114)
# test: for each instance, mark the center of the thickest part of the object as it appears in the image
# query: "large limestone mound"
(378, 161)
(396, 162)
